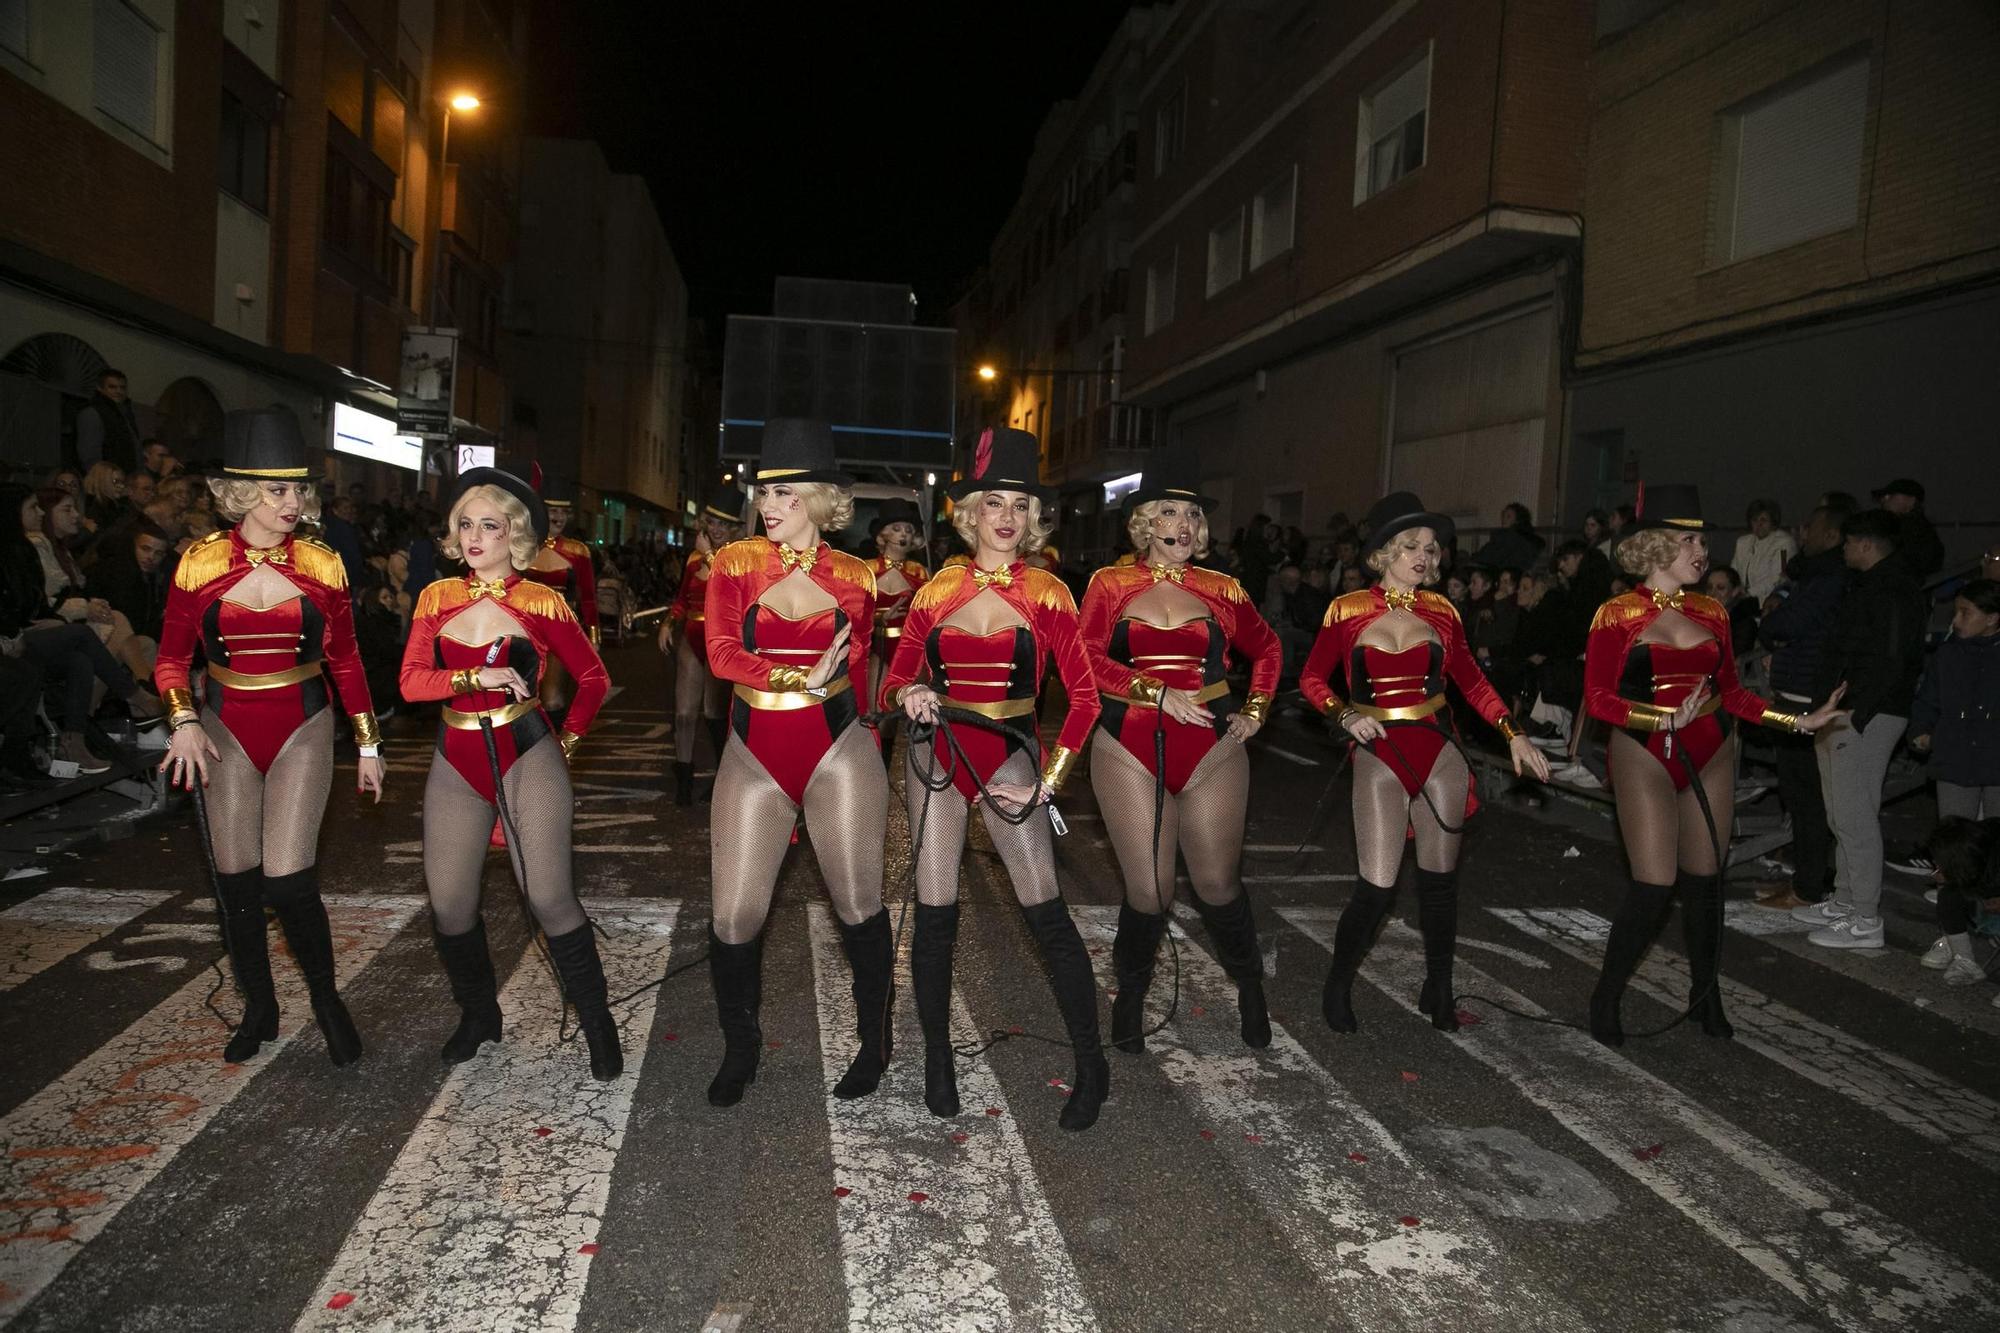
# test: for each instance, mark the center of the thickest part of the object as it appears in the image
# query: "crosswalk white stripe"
(84, 1146)
(1890, 971)
(480, 1221)
(1907, 1094)
(1854, 1264)
(38, 934)
(982, 1249)
(1344, 1218)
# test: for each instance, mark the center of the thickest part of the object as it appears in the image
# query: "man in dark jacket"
(106, 430)
(132, 576)
(1917, 543)
(1876, 649)
(1797, 619)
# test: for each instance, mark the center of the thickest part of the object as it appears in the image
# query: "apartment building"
(240, 204)
(1357, 235)
(1789, 277)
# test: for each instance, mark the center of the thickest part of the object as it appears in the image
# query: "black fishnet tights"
(697, 695)
(458, 822)
(750, 830)
(1383, 812)
(1204, 823)
(1663, 830)
(1028, 849)
(269, 819)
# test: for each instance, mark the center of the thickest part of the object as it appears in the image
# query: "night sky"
(875, 142)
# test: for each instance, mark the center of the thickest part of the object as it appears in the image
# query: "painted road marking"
(52, 925)
(980, 1249)
(1907, 1094)
(1857, 1266)
(483, 1220)
(1344, 1218)
(84, 1146)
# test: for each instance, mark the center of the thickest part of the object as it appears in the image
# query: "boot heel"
(259, 1025)
(941, 1083)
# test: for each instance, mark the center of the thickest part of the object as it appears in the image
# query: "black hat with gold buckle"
(725, 503)
(1674, 507)
(1399, 511)
(798, 450)
(1004, 459)
(896, 511)
(1173, 472)
(264, 444)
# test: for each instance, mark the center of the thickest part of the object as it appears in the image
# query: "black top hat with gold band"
(725, 503)
(264, 444)
(1173, 472)
(538, 511)
(1674, 505)
(896, 511)
(1004, 459)
(558, 492)
(1399, 511)
(799, 449)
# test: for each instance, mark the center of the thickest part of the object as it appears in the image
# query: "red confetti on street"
(1409, 1077)
(841, 1191)
(1208, 1133)
(960, 1137)
(543, 1131)
(993, 1110)
(1016, 1031)
(670, 1036)
(1410, 1221)
(1466, 1018)
(1649, 1152)
(918, 1196)
(341, 1300)
(1357, 1157)
(774, 1045)
(1253, 1138)
(588, 1247)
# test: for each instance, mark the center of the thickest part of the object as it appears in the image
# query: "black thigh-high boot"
(1437, 918)
(295, 898)
(1132, 955)
(930, 977)
(1632, 930)
(1233, 930)
(1070, 977)
(737, 973)
(683, 782)
(1701, 920)
(888, 735)
(250, 957)
(582, 972)
(871, 952)
(469, 965)
(1360, 922)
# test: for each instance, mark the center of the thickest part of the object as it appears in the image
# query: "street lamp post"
(459, 101)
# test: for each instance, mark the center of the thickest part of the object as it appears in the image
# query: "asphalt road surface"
(1832, 1168)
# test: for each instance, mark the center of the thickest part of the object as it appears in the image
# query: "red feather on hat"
(535, 477)
(982, 453)
(1639, 502)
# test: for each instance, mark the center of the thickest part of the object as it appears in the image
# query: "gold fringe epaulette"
(204, 562)
(570, 547)
(1701, 605)
(741, 557)
(1045, 589)
(1436, 603)
(1219, 586)
(1122, 577)
(959, 561)
(318, 562)
(913, 569)
(538, 599)
(940, 589)
(851, 569)
(1349, 605)
(444, 595)
(1623, 610)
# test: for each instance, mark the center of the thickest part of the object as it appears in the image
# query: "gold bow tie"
(791, 558)
(1002, 577)
(1668, 601)
(496, 588)
(1177, 573)
(1394, 597)
(277, 555)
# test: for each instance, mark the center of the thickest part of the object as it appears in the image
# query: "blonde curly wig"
(1037, 536)
(1139, 527)
(829, 507)
(521, 543)
(237, 496)
(1379, 561)
(1644, 552)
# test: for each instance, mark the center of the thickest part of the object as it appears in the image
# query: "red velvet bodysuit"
(689, 613)
(547, 628)
(766, 656)
(1130, 657)
(997, 674)
(578, 586)
(1407, 682)
(247, 650)
(892, 609)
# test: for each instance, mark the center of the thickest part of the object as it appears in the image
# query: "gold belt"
(1409, 713)
(276, 680)
(789, 700)
(499, 717)
(996, 708)
(1203, 695)
(892, 631)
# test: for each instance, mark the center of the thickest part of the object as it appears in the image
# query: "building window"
(1389, 134)
(1160, 292)
(1271, 216)
(14, 27)
(243, 160)
(1225, 252)
(357, 219)
(1170, 130)
(126, 68)
(1789, 162)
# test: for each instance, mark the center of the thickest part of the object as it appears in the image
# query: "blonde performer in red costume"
(898, 530)
(700, 698)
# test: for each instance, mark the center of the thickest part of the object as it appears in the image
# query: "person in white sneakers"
(1968, 905)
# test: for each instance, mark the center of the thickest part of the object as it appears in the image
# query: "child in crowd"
(1956, 716)
(1968, 905)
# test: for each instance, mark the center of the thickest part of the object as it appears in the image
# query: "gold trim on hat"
(767, 473)
(1681, 522)
(281, 473)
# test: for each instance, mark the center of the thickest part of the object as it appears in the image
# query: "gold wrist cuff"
(1649, 717)
(465, 680)
(596, 637)
(180, 699)
(570, 740)
(367, 731)
(1782, 721)
(1334, 706)
(1256, 707)
(1505, 726)
(787, 679)
(1060, 761)
(1145, 690)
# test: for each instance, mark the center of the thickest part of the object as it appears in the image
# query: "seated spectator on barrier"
(1515, 544)
(1956, 717)
(1295, 610)
(1597, 530)
(133, 578)
(1725, 585)
(20, 696)
(1763, 552)
(1917, 543)
(1968, 901)
(104, 502)
(158, 459)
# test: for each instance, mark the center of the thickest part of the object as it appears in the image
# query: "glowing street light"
(988, 373)
(464, 102)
